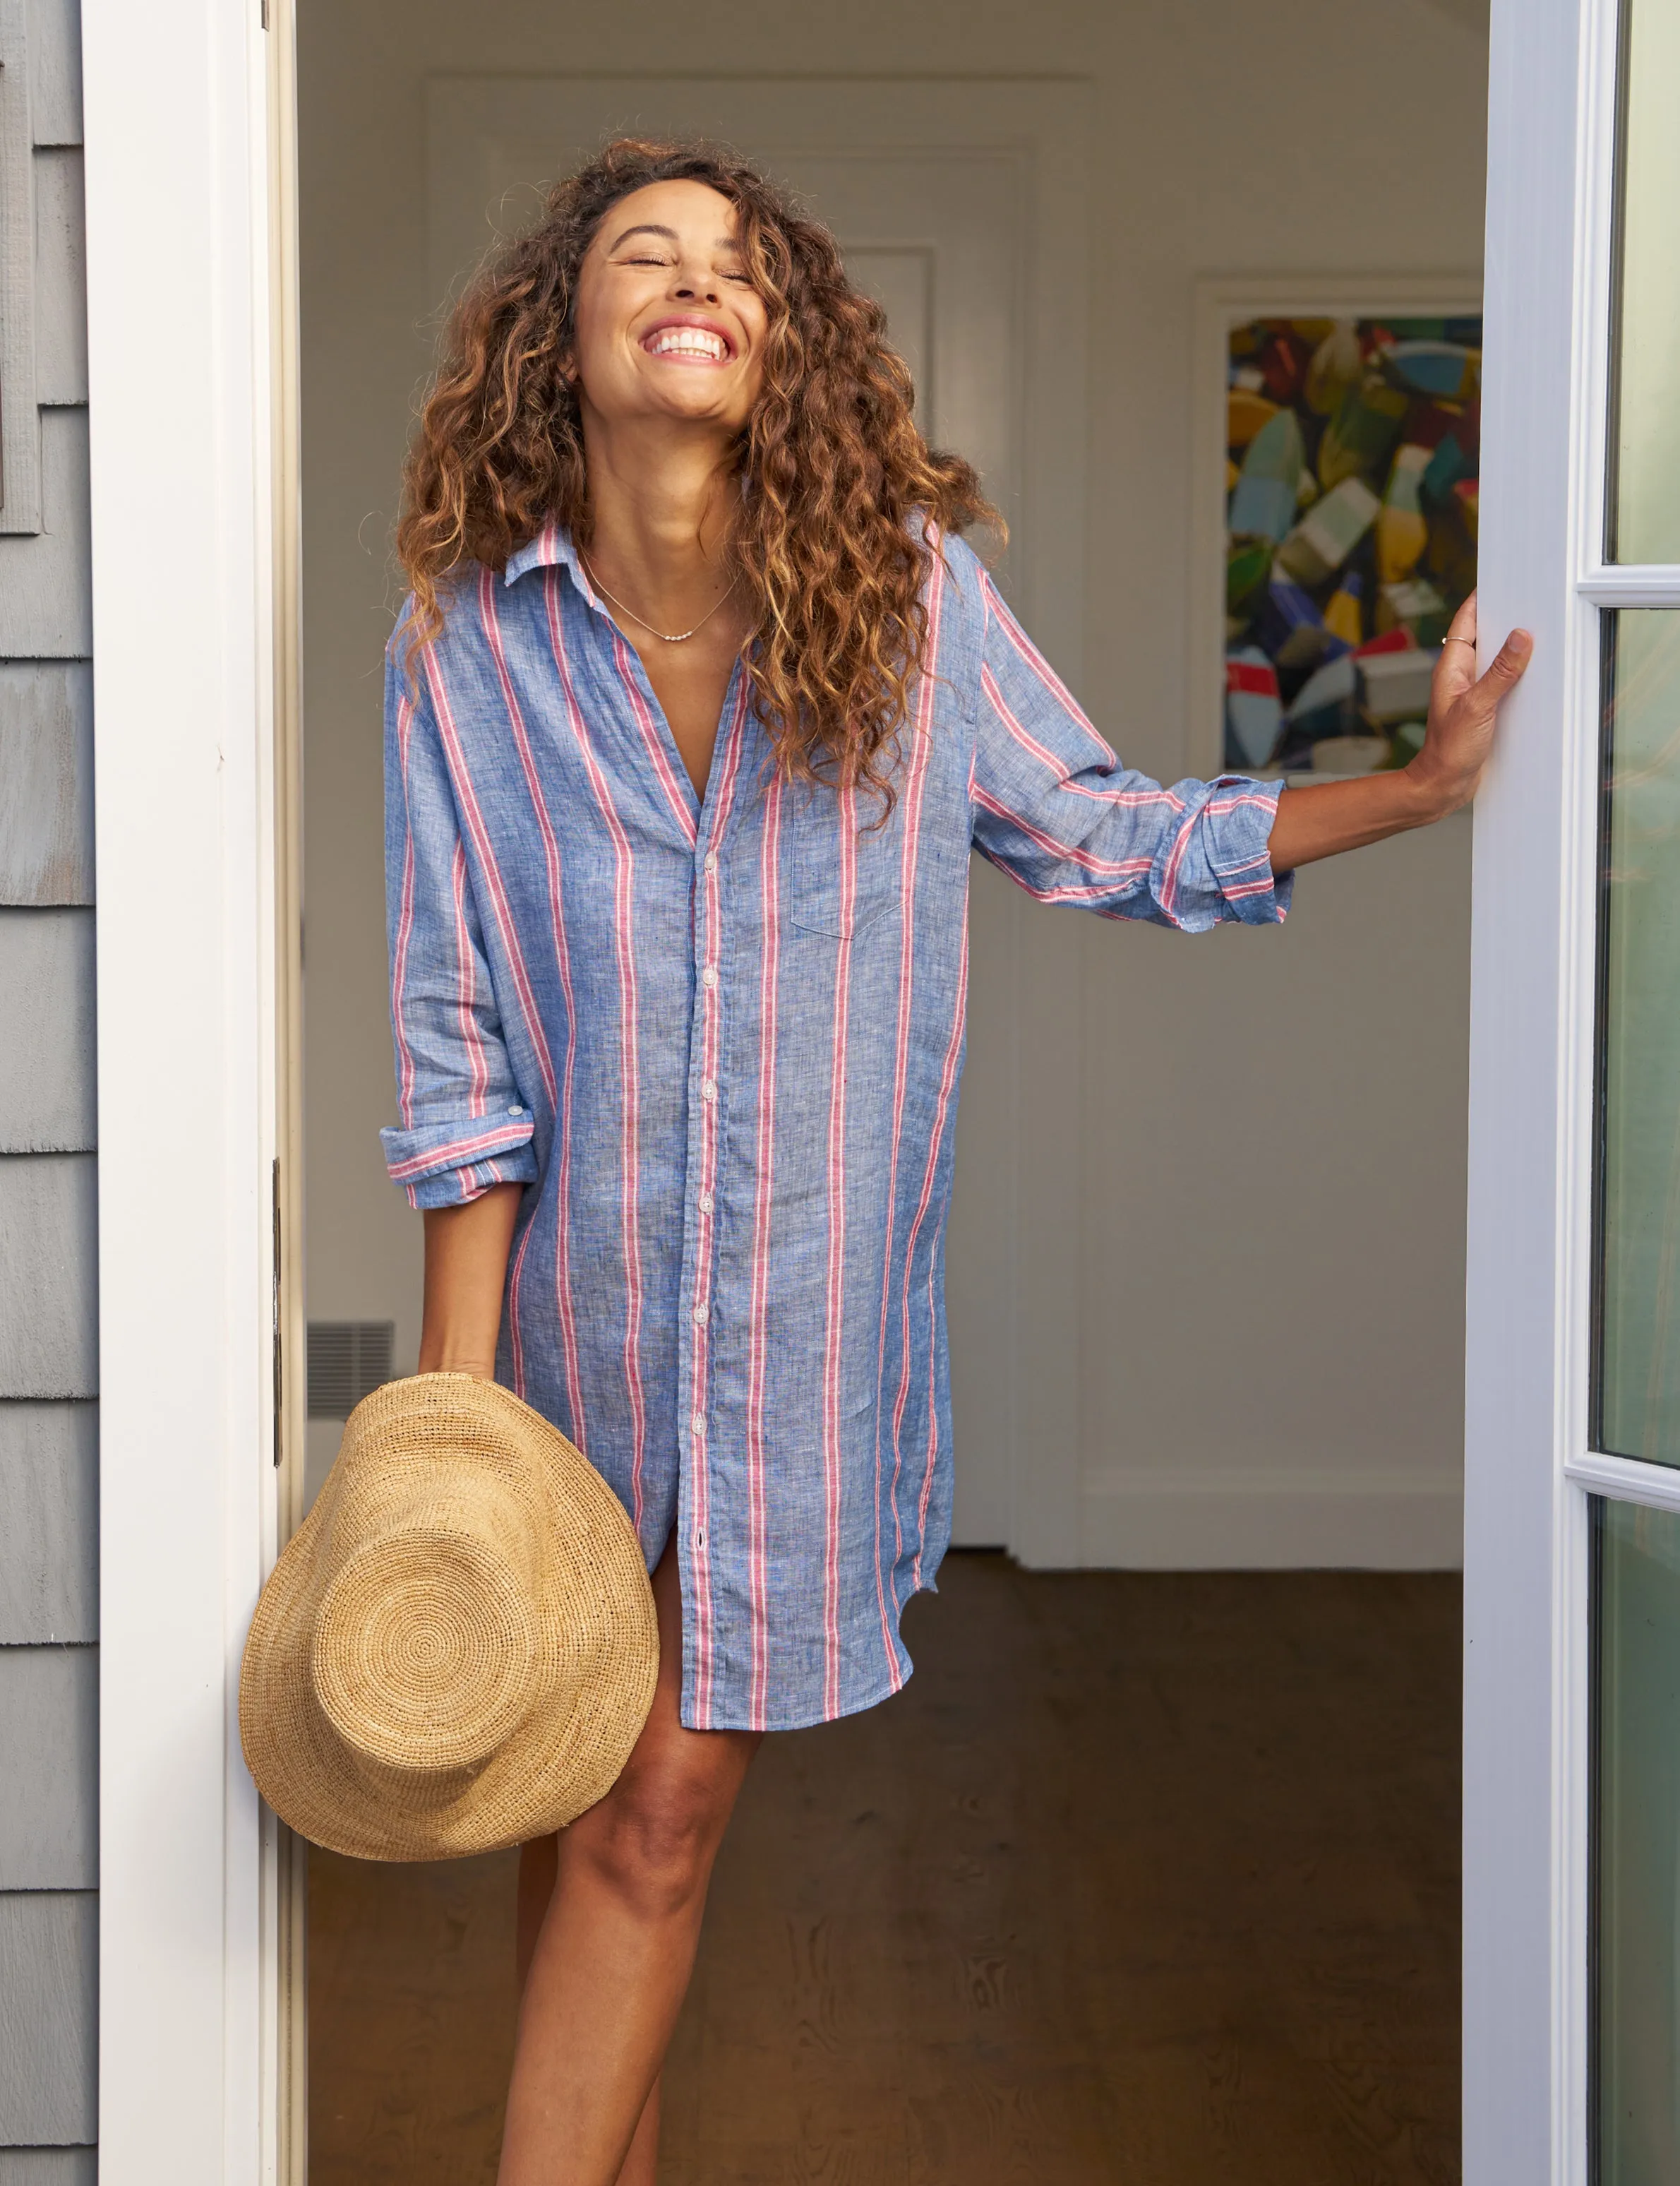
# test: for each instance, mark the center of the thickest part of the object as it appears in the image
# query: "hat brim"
(597, 1638)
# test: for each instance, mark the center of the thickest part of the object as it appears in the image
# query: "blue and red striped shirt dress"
(718, 1040)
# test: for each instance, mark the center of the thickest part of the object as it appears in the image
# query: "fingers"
(1455, 672)
(1506, 666)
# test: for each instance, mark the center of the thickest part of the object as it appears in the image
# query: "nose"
(696, 285)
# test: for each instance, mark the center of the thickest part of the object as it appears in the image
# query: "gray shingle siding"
(49, 1332)
(49, 2166)
(49, 1541)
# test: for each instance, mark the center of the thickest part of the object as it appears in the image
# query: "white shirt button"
(711, 861)
(708, 977)
(699, 1423)
(706, 1202)
(516, 1110)
(709, 1090)
(699, 1316)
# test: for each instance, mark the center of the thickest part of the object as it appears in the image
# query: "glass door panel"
(1639, 1195)
(1638, 1753)
(1646, 454)
(1572, 1508)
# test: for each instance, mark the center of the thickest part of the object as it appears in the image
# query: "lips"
(688, 341)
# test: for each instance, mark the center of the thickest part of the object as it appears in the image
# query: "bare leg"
(640, 2168)
(538, 1863)
(614, 1952)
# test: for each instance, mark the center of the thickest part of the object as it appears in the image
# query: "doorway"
(1163, 1250)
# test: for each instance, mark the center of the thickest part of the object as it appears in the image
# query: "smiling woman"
(697, 712)
(579, 388)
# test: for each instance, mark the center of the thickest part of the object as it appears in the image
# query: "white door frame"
(1530, 1468)
(181, 149)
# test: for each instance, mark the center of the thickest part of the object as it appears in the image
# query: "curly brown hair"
(842, 500)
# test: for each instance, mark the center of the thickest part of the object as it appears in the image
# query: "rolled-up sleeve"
(466, 1125)
(1054, 809)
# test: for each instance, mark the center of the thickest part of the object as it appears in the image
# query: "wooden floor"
(1145, 1877)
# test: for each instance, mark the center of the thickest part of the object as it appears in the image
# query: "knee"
(655, 1837)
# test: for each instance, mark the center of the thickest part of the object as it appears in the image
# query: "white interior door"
(953, 205)
(1572, 1505)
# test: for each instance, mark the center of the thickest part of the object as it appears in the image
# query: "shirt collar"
(551, 548)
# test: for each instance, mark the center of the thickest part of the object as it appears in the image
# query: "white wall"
(1272, 1240)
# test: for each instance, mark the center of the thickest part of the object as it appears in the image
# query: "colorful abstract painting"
(1350, 533)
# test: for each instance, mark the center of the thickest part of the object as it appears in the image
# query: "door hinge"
(279, 1357)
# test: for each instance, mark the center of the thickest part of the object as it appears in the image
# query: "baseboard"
(1301, 1519)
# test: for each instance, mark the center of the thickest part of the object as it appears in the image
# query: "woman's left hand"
(1462, 709)
(1344, 815)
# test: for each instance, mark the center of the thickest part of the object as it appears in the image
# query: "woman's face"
(669, 325)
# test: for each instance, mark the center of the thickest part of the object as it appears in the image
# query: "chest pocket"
(818, 900)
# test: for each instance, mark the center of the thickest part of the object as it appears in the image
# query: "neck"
(662, 506)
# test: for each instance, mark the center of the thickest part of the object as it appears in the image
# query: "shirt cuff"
(1238, 817)
(446, 1164)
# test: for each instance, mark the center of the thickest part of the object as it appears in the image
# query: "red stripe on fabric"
(704, 1617)
(490, 614)
(947, 1090)
(467, 987)
(1124, 798)
(1087, 860)
(629, 1089)
(1093, 897)
(500, 908)
(921, 753)
(758, 1551)
(834, 1310)
(405, 922)
(1221, 806)
(947, 1081)
(480, 1142)
(1249, 675)
(1169, 876)
(1035, 663)
(680, 804)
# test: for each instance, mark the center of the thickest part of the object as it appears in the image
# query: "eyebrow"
(653, 227)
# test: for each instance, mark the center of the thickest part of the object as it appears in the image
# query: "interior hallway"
(1146, 1877)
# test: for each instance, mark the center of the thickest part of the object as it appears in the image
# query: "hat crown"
(425, 1654)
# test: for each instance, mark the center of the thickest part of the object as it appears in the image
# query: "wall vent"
(347, 1359)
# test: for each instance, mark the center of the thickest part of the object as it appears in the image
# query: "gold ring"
(1469, 642)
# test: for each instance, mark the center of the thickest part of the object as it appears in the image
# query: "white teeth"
(688, 341)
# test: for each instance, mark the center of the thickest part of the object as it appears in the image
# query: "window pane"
(1638, 1387)
(1646, 526)
(1636, 1832)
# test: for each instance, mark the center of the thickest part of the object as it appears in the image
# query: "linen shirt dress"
(718, 1040)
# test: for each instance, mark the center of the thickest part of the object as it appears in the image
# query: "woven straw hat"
(457, 1649)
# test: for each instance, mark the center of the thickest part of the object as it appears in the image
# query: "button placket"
(707, 943)
(705, 947)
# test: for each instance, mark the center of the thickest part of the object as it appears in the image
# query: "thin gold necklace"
(664, 636)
